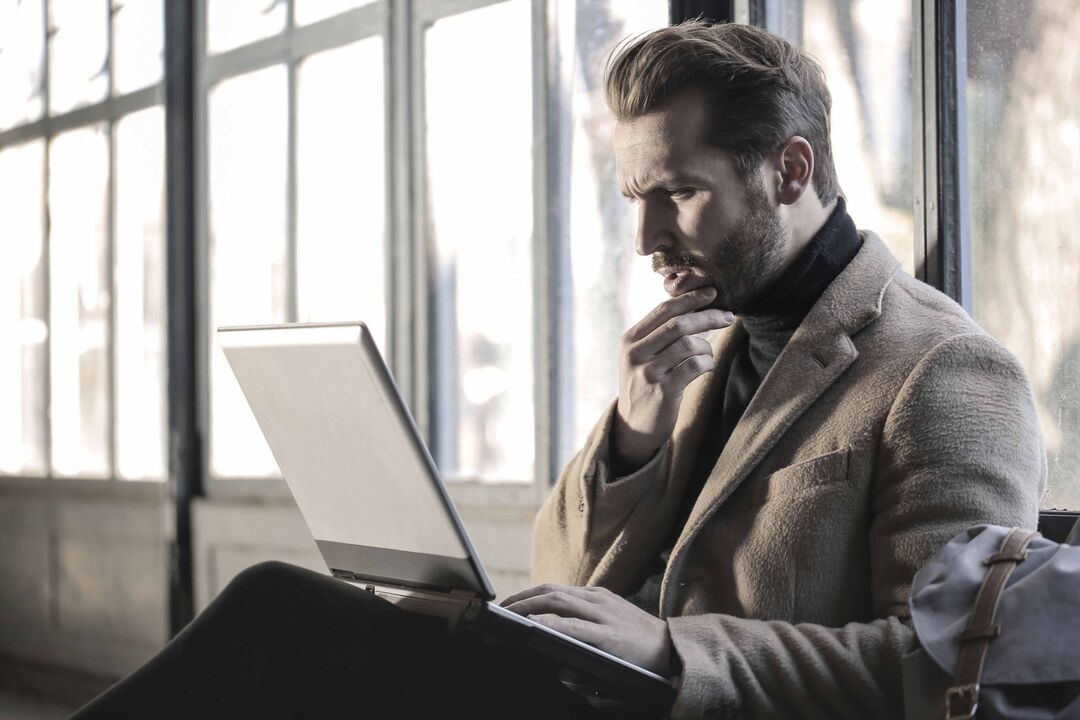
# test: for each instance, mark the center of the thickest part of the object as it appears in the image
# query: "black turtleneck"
(769, 321)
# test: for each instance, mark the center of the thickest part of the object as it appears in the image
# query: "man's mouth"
(681, 280)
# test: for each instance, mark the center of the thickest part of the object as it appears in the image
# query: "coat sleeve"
(961, 446)
(588, 509)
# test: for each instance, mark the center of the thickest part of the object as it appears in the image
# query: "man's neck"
(797, 288)
(805, 220)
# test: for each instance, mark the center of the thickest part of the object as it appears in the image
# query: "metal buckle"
(961, 702)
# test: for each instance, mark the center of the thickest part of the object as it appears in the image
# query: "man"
(748, 516)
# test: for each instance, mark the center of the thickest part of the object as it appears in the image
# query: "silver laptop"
(373, 500)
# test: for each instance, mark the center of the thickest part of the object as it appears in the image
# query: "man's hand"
(660, 357)
(600, 618)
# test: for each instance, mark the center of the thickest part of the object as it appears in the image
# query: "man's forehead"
(671, 136)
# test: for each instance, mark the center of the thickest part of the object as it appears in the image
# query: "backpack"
(997, 615)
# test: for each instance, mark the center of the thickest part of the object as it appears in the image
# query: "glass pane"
(78, 53)
(864, 47)
(22, 49)
(79, 300)
(248, 272)
(232, 23)
(480, 204)
(341, 174)
(139, 267)
(613, 287)
(1024, 150)
(22, 311)
(308, 11)
(138, 44)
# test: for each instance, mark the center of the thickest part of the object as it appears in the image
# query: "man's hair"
(761, 91)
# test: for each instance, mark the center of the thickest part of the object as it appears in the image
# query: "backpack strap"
(962, 699)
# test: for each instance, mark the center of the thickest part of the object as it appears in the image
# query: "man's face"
(699, 218)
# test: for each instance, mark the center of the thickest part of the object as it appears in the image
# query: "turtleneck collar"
(772, 320)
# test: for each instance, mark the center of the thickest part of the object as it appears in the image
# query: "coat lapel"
(816, 356)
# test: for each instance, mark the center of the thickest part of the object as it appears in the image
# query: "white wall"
(84, 566)
(83, 574)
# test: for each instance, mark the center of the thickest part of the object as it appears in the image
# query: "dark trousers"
(284, 642)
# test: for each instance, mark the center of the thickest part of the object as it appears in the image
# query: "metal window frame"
(943, 201)
(106, 112)
(714, 10)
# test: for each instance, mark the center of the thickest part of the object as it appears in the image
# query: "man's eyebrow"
(663, 183)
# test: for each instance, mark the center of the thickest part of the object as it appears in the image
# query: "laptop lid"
(352, 457)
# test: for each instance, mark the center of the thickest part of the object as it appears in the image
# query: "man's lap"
(281, 641)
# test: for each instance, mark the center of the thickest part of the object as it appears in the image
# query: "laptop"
(373, 500)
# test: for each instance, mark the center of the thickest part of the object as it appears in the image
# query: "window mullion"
(111, 250)
(291, 290)
(401, 258)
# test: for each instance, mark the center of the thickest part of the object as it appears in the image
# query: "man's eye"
(681, 193)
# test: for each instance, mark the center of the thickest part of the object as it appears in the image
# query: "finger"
(682, 325)
(685, 347)
(687, 371)
(544, 589)
(583, 630)
(668, 309)
(559, 603)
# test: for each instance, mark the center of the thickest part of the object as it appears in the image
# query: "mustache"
(674, 261)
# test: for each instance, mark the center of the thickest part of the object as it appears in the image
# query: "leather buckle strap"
(962, 699)
(1000, 557)
(974, 634)
(961, 702)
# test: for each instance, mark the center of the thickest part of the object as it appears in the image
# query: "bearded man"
(749, 514)
(747, 517)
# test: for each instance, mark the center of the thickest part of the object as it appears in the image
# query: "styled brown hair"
(761, 90)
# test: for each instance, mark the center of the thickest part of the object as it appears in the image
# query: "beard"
(743, 263)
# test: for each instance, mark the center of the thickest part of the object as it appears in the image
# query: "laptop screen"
(349, 452)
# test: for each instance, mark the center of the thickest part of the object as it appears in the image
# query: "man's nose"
(652, 233)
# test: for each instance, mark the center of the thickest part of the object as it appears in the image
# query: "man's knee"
(264, 579)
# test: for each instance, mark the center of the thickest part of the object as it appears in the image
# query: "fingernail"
(728, 316)
(710, 291)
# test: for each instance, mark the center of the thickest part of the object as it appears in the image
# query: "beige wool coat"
(889, 423)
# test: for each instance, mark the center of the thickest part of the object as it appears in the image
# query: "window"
(612, 288)
(82, 296)
(294, 192)
(478, 145)
(864, 47)
(1023, 147)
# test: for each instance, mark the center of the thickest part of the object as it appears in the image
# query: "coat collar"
(817, 354)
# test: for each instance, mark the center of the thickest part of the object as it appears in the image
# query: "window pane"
(248, 273)
(79, 300)
(480, 204)
(22, 48)
(138, 44)
(613, 287)
(232, 23)
(78, 53)
(22, 312)
(1024, 150)
(341, 174)
(308, 11)
(139, 266)
(864, 47)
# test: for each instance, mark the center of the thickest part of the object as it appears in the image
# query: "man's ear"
(796, 170)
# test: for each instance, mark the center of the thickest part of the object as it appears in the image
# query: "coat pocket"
(832, 467)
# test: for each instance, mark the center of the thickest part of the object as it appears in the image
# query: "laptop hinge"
(371, 584)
